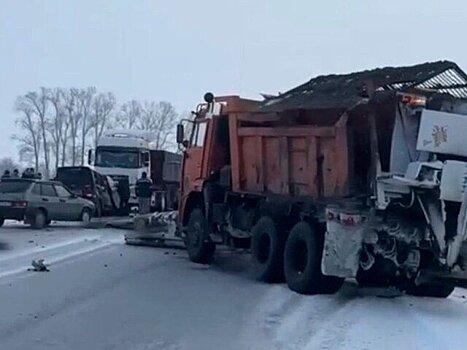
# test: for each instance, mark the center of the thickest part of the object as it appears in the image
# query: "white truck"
(125, 154)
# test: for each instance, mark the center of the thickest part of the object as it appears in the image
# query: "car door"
(103, 192)
(70, 206)
(50, 202)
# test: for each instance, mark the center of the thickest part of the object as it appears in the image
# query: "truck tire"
(267, 250)
(302, 262)
(198, 244)
(39, 219)
(433, 290)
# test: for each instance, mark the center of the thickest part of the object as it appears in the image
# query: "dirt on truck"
(359, 176)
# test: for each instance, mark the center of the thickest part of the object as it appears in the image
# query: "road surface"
(102, 294)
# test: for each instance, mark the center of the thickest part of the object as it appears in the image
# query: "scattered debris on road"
(39, 266)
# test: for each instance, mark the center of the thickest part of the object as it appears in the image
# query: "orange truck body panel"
(288, 160)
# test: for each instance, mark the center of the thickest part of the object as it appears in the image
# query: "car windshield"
(14, 186)
(75, 178)
(117, 158)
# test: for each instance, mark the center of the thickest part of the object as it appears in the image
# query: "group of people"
(28, 173)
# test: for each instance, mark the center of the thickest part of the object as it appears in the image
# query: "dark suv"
(39, 202)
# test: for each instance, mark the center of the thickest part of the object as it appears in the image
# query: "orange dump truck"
(346, 176)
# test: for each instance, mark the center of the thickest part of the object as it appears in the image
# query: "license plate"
(5, 204)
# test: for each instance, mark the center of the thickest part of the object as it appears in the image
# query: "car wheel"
(267, 251)
(39, 220)
(86, 217)
(302, 262)
(199, 246)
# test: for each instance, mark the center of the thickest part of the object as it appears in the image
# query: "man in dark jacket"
(144, 193)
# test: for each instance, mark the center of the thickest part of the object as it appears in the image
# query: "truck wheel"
(433, 290)
(267, 250)
(39, 220)
(302, 262)
(198, 244)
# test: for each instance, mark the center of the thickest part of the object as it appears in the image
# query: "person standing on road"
(144, 192)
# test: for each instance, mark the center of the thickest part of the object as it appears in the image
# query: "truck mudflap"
(154, 229)
(341, 256)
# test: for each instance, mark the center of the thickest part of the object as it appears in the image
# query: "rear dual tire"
(302, 262)
(267, 251)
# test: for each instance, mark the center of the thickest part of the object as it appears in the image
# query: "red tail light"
(19, 204)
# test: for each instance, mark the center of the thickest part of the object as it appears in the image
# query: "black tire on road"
(267, 251)
(39, 219)
(198, 244)
(433, 290)
(302, 262)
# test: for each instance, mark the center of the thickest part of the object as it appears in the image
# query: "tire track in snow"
(287, 320)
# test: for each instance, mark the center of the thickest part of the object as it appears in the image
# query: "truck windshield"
(117, 158)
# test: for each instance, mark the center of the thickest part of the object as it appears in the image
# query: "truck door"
(193, 156)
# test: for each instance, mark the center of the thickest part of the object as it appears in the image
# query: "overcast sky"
(177, 50)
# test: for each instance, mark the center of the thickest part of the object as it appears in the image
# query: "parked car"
(39, 202)
(89, 184)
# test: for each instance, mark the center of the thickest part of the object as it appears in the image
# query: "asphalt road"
(102, 294)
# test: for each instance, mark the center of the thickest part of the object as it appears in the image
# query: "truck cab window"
(199, 133)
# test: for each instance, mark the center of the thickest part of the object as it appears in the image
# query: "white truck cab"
(123, 154)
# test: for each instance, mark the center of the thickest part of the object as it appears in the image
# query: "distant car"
(89, 184)
(39, 202)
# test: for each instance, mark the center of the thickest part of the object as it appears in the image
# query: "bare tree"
(85, 99)
(161, 119)
(73, 116)
(101, 109)
(31, 142)
(130, 114)
(39, 104)
(57, 122)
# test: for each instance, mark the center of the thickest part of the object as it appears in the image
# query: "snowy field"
(102, 294)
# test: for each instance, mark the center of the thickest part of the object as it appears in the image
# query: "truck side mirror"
(90, 157)
(180, 133)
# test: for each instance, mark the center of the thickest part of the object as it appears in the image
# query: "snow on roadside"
(358, 319)
(54, 244)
